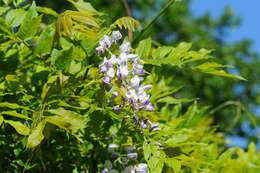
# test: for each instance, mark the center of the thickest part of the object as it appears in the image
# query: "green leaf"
(4, 28)
(68, 120)
(62, 59)
(19, 127)
(47, 86)
(30, 24)
(174, 164)
(15, 17)
(161, 52)
(15, 114)
(215, 69)
(74, 67)
(147, 150)
(172, 100)
(1, 119)
(144, 48)
(45, 41)
(84, 6)
(3, 10)
(182, 54)
(12, 106)
(47, 11)
(36, 136)
(127, 23)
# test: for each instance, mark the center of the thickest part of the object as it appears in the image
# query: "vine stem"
(161, 12)
(129, 13)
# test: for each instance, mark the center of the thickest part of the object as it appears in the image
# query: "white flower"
(100, 50)
(125, 47)
(122, 72)
(143, 97)
(111, 72)
(135, 81)
(105, 42)
(141, 168)
(122, 59)
(113, 59)
(115, 94)
(131, 94)
(116, 35)
(112, 147)
(132, 57)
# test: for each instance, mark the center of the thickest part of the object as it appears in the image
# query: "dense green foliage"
(57, 114)
(238, 100)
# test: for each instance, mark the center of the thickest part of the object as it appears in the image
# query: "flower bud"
(132, 156)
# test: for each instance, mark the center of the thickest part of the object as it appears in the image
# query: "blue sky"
(248, 11)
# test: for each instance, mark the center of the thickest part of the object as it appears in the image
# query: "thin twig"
(129, 13)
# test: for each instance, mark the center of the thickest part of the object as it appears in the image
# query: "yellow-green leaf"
(1, 119)
(127, 23)
(12, 106)
(174, 164)
(216, 69)
(19, 127)
(144, 48)
(172, 100)
(15, 114)
(36, 137)
(65, 119)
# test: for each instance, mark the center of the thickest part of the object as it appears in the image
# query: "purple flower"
(141, 168)
(143, 124)
(103, 69)
(154, 127)
(125, 47)
(105, 42)
(149, 107)
(135, 81)
(106, 80)
(104, 170)
(117, 108)
(132, 156)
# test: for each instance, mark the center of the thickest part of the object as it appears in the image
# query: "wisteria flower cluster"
(131, 155)
(126, 69)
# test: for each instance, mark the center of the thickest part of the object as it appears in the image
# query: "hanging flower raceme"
(125, 68)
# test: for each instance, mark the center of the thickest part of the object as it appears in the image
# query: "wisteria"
(131, 154)
(126, 68)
